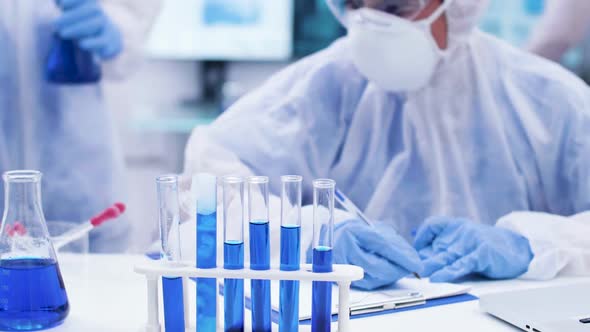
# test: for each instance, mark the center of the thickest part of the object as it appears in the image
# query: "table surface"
(106, 295)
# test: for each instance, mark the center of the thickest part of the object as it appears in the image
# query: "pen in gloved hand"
(352, 208)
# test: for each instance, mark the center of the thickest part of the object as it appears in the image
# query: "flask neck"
(22, 203)
(22, 198)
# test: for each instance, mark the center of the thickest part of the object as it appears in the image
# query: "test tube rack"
(343, 275)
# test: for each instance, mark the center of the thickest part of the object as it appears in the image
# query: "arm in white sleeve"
(560, 244)
(564, 25)
(134, 19)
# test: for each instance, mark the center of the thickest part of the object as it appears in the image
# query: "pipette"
(352, 208)
(78, 232)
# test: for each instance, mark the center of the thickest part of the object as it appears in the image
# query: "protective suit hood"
(462, 17)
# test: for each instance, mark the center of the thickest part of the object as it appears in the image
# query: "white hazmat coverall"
(496, 131)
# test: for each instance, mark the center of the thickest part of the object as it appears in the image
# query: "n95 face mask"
(395, 53)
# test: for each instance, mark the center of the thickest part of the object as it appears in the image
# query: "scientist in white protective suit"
(471, 156)
(66, 131)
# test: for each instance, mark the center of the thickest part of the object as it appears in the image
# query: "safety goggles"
(408, 9)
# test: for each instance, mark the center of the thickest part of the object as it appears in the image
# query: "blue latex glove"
(385, 256)
(86, 22)
(453, 248)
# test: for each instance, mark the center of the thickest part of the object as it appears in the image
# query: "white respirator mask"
(397, 54)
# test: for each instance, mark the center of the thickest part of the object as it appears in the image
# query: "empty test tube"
(169, 218)
(233, 251)
(323, 235)
(290, 251)
(259, 251)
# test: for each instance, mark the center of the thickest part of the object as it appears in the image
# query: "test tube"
(233, 251)
(323, 234)
(290, 251)
(259, 251)
(206, 189)
(169, 218)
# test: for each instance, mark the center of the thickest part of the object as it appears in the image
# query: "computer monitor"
(225, 30)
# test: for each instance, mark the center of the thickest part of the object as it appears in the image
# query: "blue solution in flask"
(206, 259)
(260, 260)
(289, 290)
(173, 304)
(233, 252)
(32, 294)
(68, 64)
(321, 315)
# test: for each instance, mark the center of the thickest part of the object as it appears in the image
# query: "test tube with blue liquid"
(169, 217)
(259, 251)
(290, 251)
(233, 252)
(206, 194)
(323, 235)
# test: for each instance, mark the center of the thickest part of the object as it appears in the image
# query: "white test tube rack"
(343, 275)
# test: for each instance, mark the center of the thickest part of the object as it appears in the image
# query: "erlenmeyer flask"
(68, 64)
(32, 292)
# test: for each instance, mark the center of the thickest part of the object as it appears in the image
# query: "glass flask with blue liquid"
(67, 63)
(32, 292)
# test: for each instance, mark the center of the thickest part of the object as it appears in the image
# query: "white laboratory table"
(106, 295)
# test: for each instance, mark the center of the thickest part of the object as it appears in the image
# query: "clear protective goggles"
(407, 9)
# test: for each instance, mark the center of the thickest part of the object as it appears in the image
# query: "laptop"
(554, 309)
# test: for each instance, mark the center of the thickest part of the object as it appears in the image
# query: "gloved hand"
(86, 22)
(385, 256)
(453, 248)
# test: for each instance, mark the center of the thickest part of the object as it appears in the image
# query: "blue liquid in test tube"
(233, 251)
(322, 291)
(206, 188)
(259, 251)
(290, 251)
(169, 217)
(323, 234)
(173, 304)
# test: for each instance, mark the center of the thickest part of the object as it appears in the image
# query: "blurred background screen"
(223, 30)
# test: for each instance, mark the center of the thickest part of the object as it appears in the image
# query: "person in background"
(448, 138)
(65, 131)
(564, 25)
